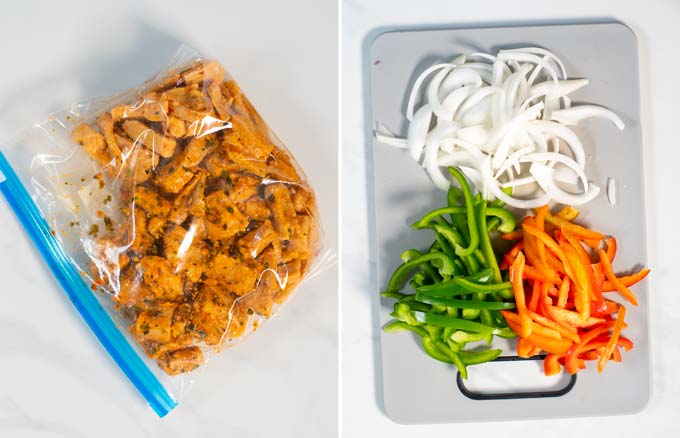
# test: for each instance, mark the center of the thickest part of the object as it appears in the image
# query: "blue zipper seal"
(81, 295)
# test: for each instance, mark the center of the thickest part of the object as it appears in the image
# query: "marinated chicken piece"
(180, 169)
(255, 241)
(219, 166)
(283, 211)
(223, 218)
(105, 124)
(160, 277)
(154, 324)
(217, 315)
(133, 291)
(151, 202)
(256, 209)
(94, 144)
(190, 96)
(300, 236)
(138, 232)
(194, 116)
(186, 251)
(219, 102)
(281, 168)
(293, 275)
(262, 299)
(156, 226)
(243, 187)
(190, 200)
(238, 276)
(303, 200)
(149, 108)
(138, 161)
(181, 361)
(208, 71)
(176, 127)
(161, 144)
(245, 160)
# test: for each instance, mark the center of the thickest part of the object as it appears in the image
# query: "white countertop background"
(657, 26)
(55, 378)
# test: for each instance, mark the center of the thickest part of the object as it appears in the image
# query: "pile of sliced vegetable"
(559, 291)
(506, 121)
(459, 289)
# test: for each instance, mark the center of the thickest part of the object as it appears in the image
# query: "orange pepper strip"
(587, 265)
(582, 292)
(611, 248)
(551, 364)
(524, 348)
(564, 292)
(628, 280)
(569, 333)
(514, 235)
(550, 345)
(568, 317)
(616, 332)
(535, 293)
(539, 221)
(590, 355)
(531, 273)
(531, 254)
(593, 243)
(571, 360)
(545, 239)
(513, 321)
(609, 272)
(606, 309)
(517, 278)
(577, 230)
(616, 354)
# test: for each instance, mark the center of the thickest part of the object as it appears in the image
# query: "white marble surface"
(656, 26)
(55, 379)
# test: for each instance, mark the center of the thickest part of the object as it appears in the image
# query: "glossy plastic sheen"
(80, 294)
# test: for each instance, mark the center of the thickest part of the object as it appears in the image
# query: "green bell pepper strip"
(453, 357)
(482, 288)
(485, 314)
(461, 286)
(472, 226)
(433, 351)
(456, 240)
(454, 346)
(459, 221)
(463, 304)
(508, 221)
(492, 224)
(464, 337)
(395, 326)
(485, 244)
(429, 217)
(447, 321)
(411, 254)
(399, 276)
(446, 248)
(433, 331)
(471, 313)
(477, 357)
(402, 312)
(420, 278)
(418, 306)
(395, 295)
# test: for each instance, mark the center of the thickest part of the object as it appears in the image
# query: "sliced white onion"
(504, 121)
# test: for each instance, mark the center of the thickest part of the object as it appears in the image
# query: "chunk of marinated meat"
(301, 236)
(218, 316)
(151, 202)
(256, 209)
(149, 108)
(280, 203)
(245, 160)
(156, 226)
(138, 233)
(190, 200)
(293, 275)
(219, 165)
(199, 123)
(303, 200)
(133, 291)
(243, 187)
(223, 218)
(160, 277)
(255, 241)
(182, 167)
(138, 161)
(281, 167)
(190, 97)
(154, 324)
(263, 298)
(181, 361)
(94, 144)
(163, 145)
(186, 250)
(176, 127)
(237, 276)
(208, 71)
(105, 124)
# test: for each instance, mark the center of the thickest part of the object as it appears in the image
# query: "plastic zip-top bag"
(171, 215)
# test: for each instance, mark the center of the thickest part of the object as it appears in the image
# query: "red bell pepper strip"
(551, 364)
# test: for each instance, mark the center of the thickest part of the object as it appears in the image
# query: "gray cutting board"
(418, 389)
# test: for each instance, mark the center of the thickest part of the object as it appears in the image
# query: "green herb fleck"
(94, 230)
(107, 199)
